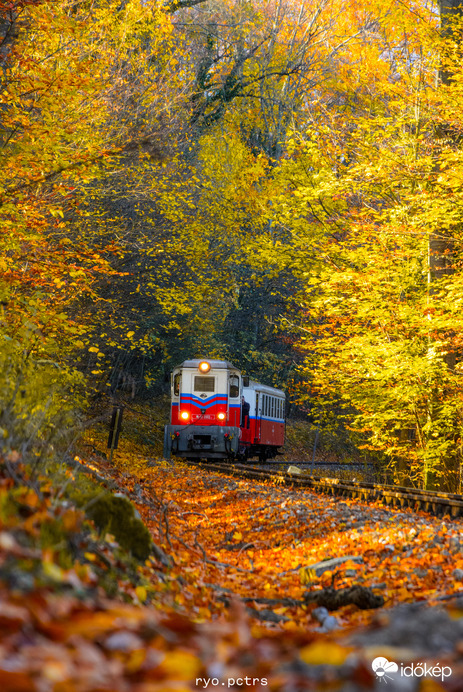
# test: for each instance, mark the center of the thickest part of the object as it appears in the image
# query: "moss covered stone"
(115, 514)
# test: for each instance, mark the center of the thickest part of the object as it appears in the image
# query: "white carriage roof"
(215, 364)
(264, 388)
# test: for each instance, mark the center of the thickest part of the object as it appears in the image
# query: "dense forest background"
(278, 183)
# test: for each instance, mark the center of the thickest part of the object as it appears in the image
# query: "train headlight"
(204, 366)
(184, 415)
(221, 416)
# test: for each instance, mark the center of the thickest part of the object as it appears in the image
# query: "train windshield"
(204, 384)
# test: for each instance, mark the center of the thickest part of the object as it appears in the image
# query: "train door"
(234, 400)
(258, 417)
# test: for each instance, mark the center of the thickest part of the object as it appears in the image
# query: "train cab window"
(177, 381)
(234, 386)
(204, 384)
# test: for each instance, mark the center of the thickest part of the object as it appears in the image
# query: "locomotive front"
(205, 410)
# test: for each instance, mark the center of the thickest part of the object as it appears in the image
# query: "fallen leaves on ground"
(255, 540)
(244, 561)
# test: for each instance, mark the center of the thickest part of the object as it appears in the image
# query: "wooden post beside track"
(114, 430)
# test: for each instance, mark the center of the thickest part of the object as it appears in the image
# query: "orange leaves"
(13, 618)
(87, 623)
(180, 664)
(97, 643)
(250, 545)
(14, 681)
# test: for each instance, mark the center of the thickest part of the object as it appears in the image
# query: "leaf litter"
(231, 592)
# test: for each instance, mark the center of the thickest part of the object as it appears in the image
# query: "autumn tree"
(257, 70)
(253, 181)
(81, 85)
(365, 196)
(265, 61)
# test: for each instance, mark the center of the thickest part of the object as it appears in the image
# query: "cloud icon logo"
(382, 667)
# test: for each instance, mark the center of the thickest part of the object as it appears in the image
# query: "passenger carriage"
(216, 413)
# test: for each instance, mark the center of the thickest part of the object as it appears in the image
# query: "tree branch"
(172, 7)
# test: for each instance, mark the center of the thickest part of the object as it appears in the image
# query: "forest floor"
(233, 595)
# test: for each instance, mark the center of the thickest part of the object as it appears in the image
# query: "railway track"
(433, 502)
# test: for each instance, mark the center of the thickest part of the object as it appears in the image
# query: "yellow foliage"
(307, 576)
(141, 593)
(181, 665)
(323, 653)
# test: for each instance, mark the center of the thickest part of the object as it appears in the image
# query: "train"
(219, 414)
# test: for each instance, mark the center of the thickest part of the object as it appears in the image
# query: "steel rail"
(433, 502)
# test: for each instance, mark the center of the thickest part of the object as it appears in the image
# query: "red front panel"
(174, 419)
(211, 408)
(234, 415)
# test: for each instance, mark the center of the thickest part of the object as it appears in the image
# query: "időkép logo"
(383, 669)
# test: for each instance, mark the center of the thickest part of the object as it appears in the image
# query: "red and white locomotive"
(216, 413)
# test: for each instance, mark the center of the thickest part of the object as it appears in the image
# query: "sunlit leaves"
(364, 194)
(82, 83)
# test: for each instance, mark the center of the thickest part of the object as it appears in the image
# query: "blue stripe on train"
(204, 405)
(176, 403)
(200, 400)
(268, 420)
